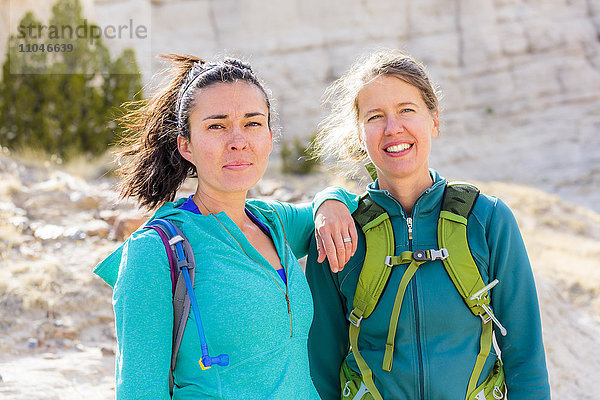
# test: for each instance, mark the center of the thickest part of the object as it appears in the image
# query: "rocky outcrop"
(520, 79)
(54, 228)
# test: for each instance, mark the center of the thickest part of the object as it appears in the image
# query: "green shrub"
(296, 157)
(64, 102)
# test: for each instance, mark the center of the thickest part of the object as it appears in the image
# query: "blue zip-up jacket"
(242, 303)
(437, 338)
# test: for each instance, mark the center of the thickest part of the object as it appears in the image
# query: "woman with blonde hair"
(399, 320)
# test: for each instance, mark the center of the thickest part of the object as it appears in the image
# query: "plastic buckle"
(175, 239)
(488, 314)
(485, 317)
(422, 255)
(491, 316)
(388, 261)
(354, 320)
(483, 291)
(438, 254)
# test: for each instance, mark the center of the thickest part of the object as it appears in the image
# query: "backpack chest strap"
(413, 265)
(414, 260)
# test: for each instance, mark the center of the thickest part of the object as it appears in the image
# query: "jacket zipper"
(409, 224)
(286, 293)
(287, 277)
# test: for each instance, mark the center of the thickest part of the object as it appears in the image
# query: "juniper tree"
(63, 101)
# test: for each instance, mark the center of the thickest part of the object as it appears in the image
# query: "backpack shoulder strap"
(458, 201)
(457, 204)
(171, 234)
(379, 237)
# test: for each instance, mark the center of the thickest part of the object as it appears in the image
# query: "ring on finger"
(347, 240)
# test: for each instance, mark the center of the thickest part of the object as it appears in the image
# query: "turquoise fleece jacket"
(437, 339)
(241, 301)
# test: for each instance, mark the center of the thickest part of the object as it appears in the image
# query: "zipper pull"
(409, 224)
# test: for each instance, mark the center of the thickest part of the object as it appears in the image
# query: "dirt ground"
(56, 326)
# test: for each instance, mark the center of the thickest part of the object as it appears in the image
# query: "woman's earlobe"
(436, 124)
(271, 144)
(183, 145)
(361, 139)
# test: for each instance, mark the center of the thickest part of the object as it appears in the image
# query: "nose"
(394, 125)
(237, 140)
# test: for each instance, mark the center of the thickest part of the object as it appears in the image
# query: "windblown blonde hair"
(338, 137)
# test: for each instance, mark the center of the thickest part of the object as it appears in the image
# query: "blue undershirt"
(190, 206)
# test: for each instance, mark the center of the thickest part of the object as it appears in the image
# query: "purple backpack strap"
(170, 256)
(181, 300)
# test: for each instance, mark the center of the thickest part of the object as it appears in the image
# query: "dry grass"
(83, 166)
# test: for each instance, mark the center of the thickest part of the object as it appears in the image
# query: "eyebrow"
(253, 114)
(405, 103)
(372, 110)
(225, 116)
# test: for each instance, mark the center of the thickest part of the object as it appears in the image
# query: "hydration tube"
(206, 361)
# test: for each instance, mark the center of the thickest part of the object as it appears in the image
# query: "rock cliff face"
(520, 78)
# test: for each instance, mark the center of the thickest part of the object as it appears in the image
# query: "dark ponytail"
(151, 167)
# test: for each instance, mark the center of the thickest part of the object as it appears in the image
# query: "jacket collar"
(108, 268)
(428, 202)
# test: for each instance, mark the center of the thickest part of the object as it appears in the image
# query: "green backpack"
(454, 252)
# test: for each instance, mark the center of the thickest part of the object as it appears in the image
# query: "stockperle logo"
(74, 40)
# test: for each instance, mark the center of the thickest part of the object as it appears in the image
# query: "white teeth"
(397, 148)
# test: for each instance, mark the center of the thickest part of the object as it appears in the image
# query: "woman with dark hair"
(213, 120)
(440, 270)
